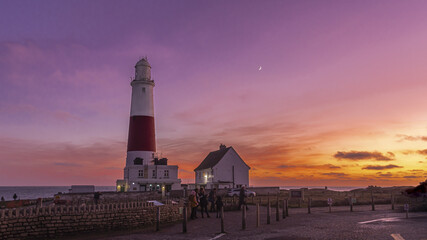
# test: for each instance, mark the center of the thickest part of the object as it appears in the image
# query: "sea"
(34, 192)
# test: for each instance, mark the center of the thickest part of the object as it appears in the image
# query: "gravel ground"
(320, 224)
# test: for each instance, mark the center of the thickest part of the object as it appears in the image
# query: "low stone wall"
(56, 221)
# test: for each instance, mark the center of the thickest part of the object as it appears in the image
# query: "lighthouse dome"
(143, 62)
(143, 70)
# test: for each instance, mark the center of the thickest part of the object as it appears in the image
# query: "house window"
(140, 173)
(154, 174)
(166, 173)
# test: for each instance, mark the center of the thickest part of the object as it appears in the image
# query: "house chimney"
(222, 146)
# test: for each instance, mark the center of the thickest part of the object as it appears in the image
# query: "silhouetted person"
(192, 199)
(242, 196)
(15, 196)
(211, 199)
(96, 197)
(219, 205)
(203, 202)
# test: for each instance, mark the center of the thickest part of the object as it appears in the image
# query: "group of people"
(200, 198)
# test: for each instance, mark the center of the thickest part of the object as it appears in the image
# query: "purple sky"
(336, 76)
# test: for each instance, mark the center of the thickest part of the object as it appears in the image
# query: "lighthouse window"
(138, 161)
(143, 89)
(140, 173)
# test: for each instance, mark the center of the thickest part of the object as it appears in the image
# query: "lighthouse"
(144, 171)
(141, 138)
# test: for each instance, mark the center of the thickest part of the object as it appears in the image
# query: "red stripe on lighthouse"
(141, 134)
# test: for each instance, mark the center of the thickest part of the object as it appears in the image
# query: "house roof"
(212, 159)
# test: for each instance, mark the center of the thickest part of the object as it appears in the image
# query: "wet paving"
(360, 224)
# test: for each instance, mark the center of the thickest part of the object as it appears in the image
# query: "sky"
(339, 100)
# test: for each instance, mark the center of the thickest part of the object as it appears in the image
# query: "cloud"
(335, 174)
(411, 138)
(286, 166)
(364, 155)
(411, 177)
(65, 164)
(422, 152)
(331, 166)
(379, 167)
(386, 175)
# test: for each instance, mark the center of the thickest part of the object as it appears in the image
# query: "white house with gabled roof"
(223, 168)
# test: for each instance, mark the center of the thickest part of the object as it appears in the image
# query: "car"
(236, 192)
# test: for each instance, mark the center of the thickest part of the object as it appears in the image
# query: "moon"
(259, 68)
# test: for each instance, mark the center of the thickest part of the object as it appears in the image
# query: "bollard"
(309, 205)
(277, 210)
(244, 217)
(372, 201)
(184, 220)
(284, 209)
(222, 220)
(158, 219)
(392, 201)
(257, 215)
(268, 211)
(351, 204)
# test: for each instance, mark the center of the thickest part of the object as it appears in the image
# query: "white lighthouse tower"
(144, 171)
(141, 140)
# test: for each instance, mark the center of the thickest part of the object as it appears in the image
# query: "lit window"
(140, 173)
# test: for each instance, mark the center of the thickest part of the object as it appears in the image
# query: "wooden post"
(309, 205)
(407, 213)
(277, 209)
(330, 210)
(392, 201)
(268, 211)
(158, 219)
(244, 217)
(222, 220)
(284, 209)
(257, 215)
(372, 201)
(351, 204)
(184, 220)
(287, 208)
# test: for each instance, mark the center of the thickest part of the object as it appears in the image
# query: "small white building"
(223, 168)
